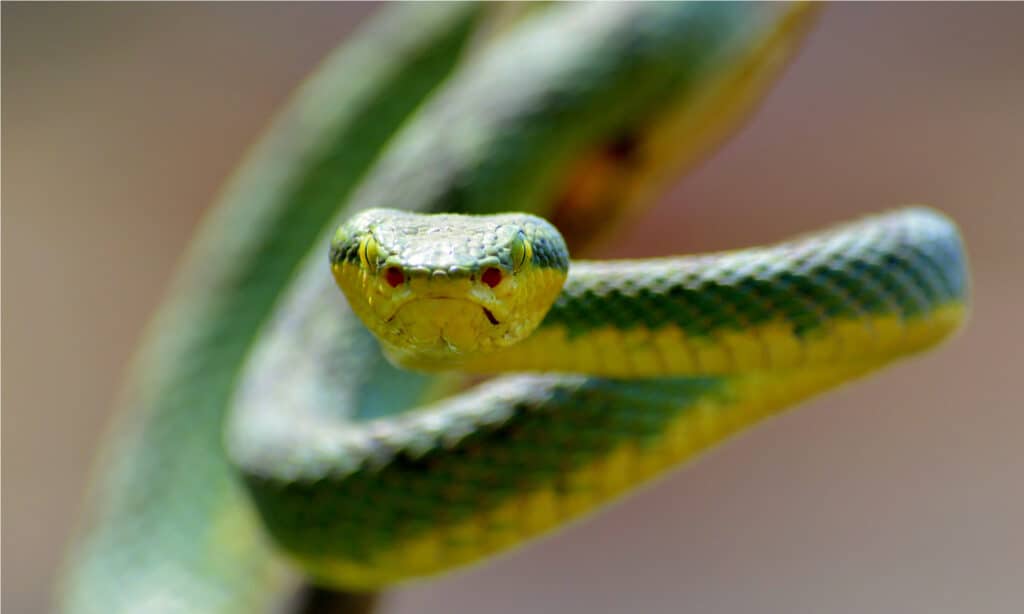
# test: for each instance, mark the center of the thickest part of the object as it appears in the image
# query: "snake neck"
(865, 292)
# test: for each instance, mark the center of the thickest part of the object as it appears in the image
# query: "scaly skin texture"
(862, 292)
(574, 112)
(699, 347)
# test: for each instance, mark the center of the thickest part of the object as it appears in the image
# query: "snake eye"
(369, 254)
(519, 252)
(394, 276)
(491, 277)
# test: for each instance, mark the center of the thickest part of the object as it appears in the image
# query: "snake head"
(438, 290)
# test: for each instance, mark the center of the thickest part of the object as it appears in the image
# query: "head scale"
(439, 289)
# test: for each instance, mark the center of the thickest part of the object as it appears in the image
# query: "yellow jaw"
(438, 322)
(440, 330)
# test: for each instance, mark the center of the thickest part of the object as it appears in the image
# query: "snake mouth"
(493, 319)
(444, 327)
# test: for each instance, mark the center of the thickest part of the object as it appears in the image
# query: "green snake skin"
(256, 348)
(379, 481)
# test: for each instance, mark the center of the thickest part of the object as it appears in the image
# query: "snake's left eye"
(491, 277)
(369, 255)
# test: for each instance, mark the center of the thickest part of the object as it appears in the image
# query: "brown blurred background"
(899, 494)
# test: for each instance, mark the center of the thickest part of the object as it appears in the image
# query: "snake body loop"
(262, 406)
(661, 358)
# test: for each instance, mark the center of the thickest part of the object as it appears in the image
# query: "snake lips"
(437, 290)
(444, 315)
(443, 325)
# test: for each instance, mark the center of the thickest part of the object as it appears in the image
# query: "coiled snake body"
(365, 474)
(688, 350)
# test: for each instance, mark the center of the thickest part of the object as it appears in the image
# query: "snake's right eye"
(394, 276)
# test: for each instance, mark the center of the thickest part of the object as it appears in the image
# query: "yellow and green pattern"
(263, 417)
(688, 350)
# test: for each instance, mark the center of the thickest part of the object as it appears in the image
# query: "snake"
(449, 384)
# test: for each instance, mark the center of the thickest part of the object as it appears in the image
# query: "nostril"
(394, 276)
(491, 277)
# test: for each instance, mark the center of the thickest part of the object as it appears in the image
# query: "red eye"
(394, 276)
(491, 277)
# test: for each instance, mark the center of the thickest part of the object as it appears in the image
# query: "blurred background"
(899, 494)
